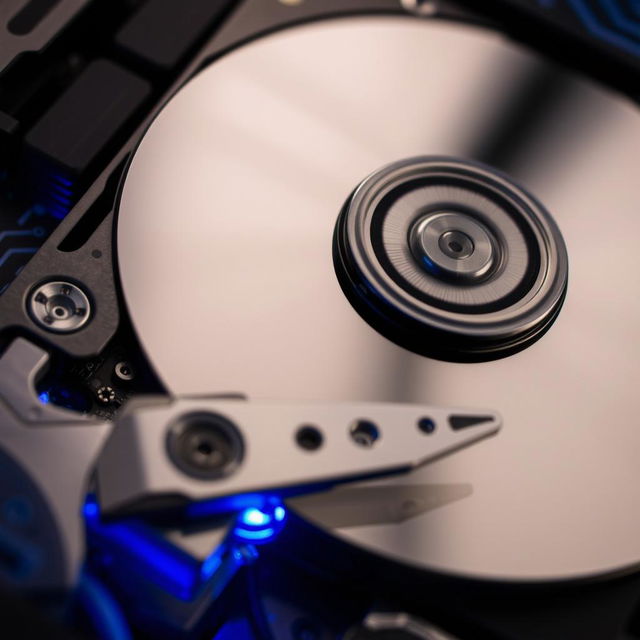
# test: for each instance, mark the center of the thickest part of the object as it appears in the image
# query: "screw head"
(205, 445)
(364, 433)
(106, 394)
(60, 307)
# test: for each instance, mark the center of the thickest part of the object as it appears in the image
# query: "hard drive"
(330, 329)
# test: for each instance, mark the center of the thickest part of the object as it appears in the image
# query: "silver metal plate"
(224, 247)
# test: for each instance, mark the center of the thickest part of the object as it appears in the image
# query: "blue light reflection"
(263, 524)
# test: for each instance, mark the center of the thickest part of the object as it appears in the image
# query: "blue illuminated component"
(138, 548)
(254, 517)
(63, 190)
(90, 509)
(260, 534)
(68, 398)
(62, 180)
(134, 548)
(260, 525)
(64, 200)
(228, 504)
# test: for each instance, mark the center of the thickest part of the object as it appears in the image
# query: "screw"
(105, 394)
(205, 445)
(364, 433)
(61, 307)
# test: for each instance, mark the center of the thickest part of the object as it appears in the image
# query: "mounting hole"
(364, 433)
(426, 425)
(309, 437)
(124, 371)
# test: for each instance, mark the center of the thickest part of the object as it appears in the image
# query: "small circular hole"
(426, 425)
(365, 433)
(205, 448)
(309, 438)
(59, 311)
(455, 246)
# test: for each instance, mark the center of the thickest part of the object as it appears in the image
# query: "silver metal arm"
(205, 449)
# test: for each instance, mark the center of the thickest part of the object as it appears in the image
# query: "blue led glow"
(63, 200)
(228, 504)
(44, 397)
(90, 509)
(263, 524)
(254, 517)
(259, 534)
(62, 180)
(63, 190)
(138, 548)
(135, 549)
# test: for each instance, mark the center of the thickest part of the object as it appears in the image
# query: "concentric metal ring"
(450, 259)
(453, 245)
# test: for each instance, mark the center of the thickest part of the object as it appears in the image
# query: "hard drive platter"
(232, 263)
